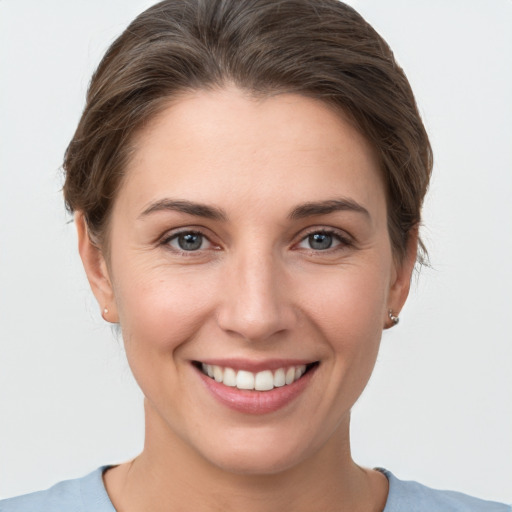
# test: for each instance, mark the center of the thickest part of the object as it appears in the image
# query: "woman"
(247, 180)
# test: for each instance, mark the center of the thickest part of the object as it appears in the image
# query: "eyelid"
(172, 234)
(345, 239)
(342, 236)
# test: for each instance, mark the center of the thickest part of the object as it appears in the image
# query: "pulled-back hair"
(318, 48)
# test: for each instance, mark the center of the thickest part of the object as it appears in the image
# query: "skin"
(257, 290)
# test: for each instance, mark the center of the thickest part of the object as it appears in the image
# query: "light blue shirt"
(88, 494)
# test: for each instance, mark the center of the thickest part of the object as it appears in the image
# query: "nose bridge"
(255, 304)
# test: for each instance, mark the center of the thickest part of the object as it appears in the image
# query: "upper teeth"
(260, 381)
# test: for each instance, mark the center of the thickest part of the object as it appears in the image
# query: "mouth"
(263, 380)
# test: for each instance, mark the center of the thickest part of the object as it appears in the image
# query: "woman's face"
(249, 239)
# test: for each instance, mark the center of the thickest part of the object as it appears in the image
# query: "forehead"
(224, 144)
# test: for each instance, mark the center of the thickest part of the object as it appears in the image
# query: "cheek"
(159, 309)
(349, 304)
(348, 309)
(159, 314)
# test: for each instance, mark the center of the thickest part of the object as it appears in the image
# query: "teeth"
(244, 380)
(261, 381)
(218, 374)
(279, 378)
(264, 381)
(229, 377)
(299, 371)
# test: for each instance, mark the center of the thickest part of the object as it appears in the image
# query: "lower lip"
(257, 402)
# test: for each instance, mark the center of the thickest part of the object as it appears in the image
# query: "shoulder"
(77, 495)
(408, 496)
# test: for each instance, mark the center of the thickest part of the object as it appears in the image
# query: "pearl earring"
(392, 317)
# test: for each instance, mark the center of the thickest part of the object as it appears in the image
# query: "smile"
(269, 387)
(265, 380)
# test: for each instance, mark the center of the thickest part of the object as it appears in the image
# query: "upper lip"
(256, 366)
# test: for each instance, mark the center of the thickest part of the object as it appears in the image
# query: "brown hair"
(319, 48)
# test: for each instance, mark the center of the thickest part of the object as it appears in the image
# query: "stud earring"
(392, 317)
(104, 313)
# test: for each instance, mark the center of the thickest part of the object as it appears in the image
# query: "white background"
(439, 406)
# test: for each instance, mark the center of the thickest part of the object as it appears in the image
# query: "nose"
(257, 303)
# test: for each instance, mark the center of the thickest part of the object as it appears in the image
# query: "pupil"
(320, 241)
(190, 241)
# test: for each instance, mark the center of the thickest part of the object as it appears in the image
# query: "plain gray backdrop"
(439, 406)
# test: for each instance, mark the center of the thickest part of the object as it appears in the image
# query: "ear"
(96, 270)
(402, 278)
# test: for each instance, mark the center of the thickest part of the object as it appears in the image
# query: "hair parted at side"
(319, 48)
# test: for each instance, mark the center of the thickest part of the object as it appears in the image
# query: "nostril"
(256, 323)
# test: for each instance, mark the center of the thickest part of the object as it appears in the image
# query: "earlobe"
(402, 280)
(96, 270)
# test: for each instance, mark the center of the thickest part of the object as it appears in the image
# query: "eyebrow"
(302, 211)
(188, 207)
(326, 207)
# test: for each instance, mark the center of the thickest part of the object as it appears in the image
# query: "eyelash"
(343, 241)
(166, 241)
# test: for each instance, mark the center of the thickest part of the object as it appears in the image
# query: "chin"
(257, 454)
(265, 462)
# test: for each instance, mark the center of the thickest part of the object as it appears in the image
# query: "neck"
(170, 475)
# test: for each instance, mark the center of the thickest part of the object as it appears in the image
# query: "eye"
(322, 241)
(188, 241)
